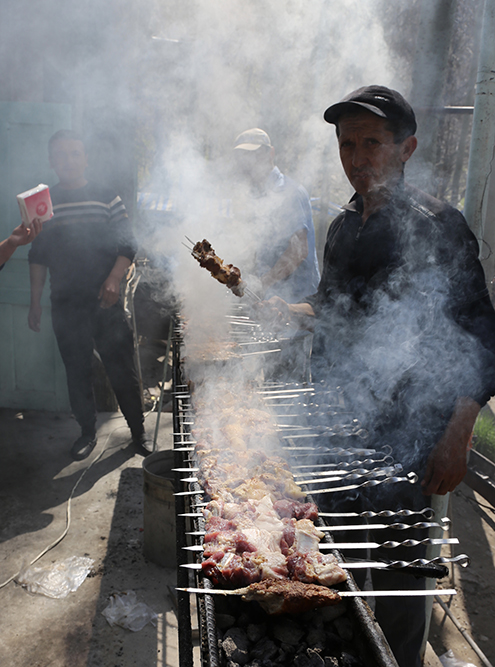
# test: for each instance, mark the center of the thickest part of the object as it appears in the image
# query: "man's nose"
(359, 157)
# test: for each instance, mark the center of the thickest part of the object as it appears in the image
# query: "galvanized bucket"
(159, 509)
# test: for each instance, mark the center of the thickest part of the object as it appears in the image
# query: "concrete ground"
(37, 475)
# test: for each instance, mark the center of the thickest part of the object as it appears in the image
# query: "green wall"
(32, 375)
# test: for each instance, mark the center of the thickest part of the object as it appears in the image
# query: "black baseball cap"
(379, 100)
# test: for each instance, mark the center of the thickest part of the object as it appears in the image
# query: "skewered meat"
(293, 509)
(265, 546)
(290, 597)
(258, 527)
(211, 350)
(228, 274)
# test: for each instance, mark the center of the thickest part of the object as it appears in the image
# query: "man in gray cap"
(277, 224)
(280, 220)
(403, 322)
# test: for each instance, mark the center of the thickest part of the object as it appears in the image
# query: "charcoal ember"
(236, 646)
(264, 650)
(286, 651)
(256, 663)
(344, 628)
(288, 631)
(316, 637)
(334, 642)
(348, 660)
(309, 658)
(224, 621)
(233, 664)
(331, 661)
(255, 631)
(328, 614)
(244, 620)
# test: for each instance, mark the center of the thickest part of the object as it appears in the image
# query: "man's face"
(371, 160)
(68, 160)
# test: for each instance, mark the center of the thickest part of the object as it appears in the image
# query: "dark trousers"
(402, 619)
(81, 327)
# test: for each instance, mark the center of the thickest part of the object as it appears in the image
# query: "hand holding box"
(35, 203)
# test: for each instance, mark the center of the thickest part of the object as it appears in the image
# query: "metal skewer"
(357, 473)
(337, 475)
(427, 512)
(411, 477)
(389, 544)
(420, 525)
(342, 594)
(330, 451)
(463, 560)
(342, 465)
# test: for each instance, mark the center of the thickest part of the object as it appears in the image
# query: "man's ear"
(408, 147)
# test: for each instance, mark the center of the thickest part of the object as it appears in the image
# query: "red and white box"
(35, 203)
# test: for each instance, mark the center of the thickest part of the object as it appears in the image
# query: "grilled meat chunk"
(290, 597)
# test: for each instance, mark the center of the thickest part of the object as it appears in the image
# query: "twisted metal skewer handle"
(463, 560)
(391, 544)
(387, 460)
(411, 477)
(427, 512)
(357, 473)
(445, 525)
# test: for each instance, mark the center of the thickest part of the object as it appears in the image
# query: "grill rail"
(369, 640)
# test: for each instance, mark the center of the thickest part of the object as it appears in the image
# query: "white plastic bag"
(449, 660)
(56, 580)
(125, 610)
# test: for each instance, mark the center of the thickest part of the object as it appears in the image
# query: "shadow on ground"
(125, 568)
(473, 522)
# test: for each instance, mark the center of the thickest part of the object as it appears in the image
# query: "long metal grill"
(305, 444)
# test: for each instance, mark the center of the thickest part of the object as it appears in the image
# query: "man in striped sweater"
(87, 246)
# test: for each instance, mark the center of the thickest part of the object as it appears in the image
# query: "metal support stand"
(164, 379)
(439, 504)
(130, 289)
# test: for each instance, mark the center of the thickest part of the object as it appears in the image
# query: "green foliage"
(484, 436)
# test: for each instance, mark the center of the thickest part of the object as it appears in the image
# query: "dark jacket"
(404, 321)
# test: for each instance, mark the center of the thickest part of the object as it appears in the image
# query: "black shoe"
(143, 443)
(83, 447)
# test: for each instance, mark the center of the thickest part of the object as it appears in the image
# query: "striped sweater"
(79, 245)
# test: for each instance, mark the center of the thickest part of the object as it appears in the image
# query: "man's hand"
(109, 292)
(277, 313)
(295, 253)
(274, 313)
(34, 317)
(22, 235)
(447, 463)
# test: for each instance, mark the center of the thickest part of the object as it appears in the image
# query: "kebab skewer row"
(280, 597)
(338, 475)
(412, 478)
(427, 512)
(389, 544)
(420, 525)
(462, 559)
(330, 468)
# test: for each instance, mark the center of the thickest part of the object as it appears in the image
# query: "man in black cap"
(403, 322)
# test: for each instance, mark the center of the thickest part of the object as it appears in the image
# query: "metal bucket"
(159, 509)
